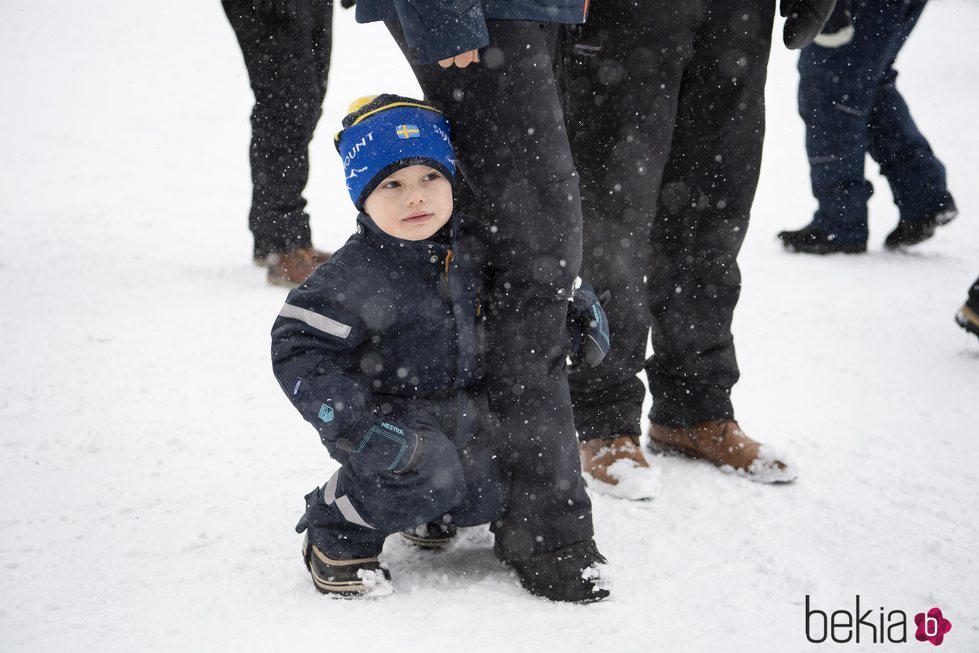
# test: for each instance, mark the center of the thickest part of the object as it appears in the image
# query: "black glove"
(382, 445)
(588, 328)
(803, 20)
(838, 30)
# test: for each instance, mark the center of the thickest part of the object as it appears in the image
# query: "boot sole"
(580, 597)
(820, 251)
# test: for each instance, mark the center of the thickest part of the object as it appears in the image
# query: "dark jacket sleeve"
(437, 29)
(312, 337)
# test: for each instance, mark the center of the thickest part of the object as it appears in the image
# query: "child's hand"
(384, 446)
(461, 60)
(588, 328)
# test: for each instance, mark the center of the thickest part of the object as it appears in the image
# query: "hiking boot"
(722, 443)
(912, 232)
(347, 578)
(810, 240)
(572, 574)
(434, 536)
(598, 456)
(968, 319)
(289, 269)
(617, 468)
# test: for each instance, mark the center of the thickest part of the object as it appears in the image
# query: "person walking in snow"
(489, 65)
(849, 100)
(381, 351)
(286, 45)
(666, 114)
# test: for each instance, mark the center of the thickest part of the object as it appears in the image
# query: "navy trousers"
(849, 101)
(460, 476)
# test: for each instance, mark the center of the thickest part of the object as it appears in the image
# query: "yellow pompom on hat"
(360, 102)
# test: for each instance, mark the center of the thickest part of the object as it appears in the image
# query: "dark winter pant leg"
(288, 58)
(351, 515)
(622, 85)
(508, 126)
(702, 215)
(838, 91)
(914, 173)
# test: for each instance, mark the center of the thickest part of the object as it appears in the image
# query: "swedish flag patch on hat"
(408, 131)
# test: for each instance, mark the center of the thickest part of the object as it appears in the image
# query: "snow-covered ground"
(151, 471)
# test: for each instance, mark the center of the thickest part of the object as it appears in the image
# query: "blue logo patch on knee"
(326, 413)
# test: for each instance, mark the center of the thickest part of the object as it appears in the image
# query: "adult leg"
(704, 204)
(694, 282)
(508, 126)
(623, 72)
(838, 88)
(287, 57)
(914, 173)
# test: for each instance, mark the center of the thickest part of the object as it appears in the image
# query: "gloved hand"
(588, 328)
(383, 445)
(803, 20)
(838, 30)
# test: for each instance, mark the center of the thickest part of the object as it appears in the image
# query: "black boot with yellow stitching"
(360, 577)
(968, 315)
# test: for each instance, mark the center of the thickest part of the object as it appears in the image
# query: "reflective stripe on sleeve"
(315, 320)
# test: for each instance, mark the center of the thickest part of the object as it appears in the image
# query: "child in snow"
(380, 349)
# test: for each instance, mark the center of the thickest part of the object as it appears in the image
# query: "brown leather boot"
(599, 454)
(722, 443)
(291, 268)
(261, 261)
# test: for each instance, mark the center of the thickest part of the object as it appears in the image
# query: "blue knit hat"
(385, 133)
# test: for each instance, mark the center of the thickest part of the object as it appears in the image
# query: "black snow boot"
(968, 315)
(347, 578)
(435, 535)
(810, 240)
(912, 232)
(572, 574)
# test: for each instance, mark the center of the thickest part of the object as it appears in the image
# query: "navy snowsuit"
(383, 338)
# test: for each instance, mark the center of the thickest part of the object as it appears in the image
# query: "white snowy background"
(151, 470)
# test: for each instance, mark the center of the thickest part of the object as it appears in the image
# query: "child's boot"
(347, 578)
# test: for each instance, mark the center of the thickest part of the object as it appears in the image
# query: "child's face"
(411, 203)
